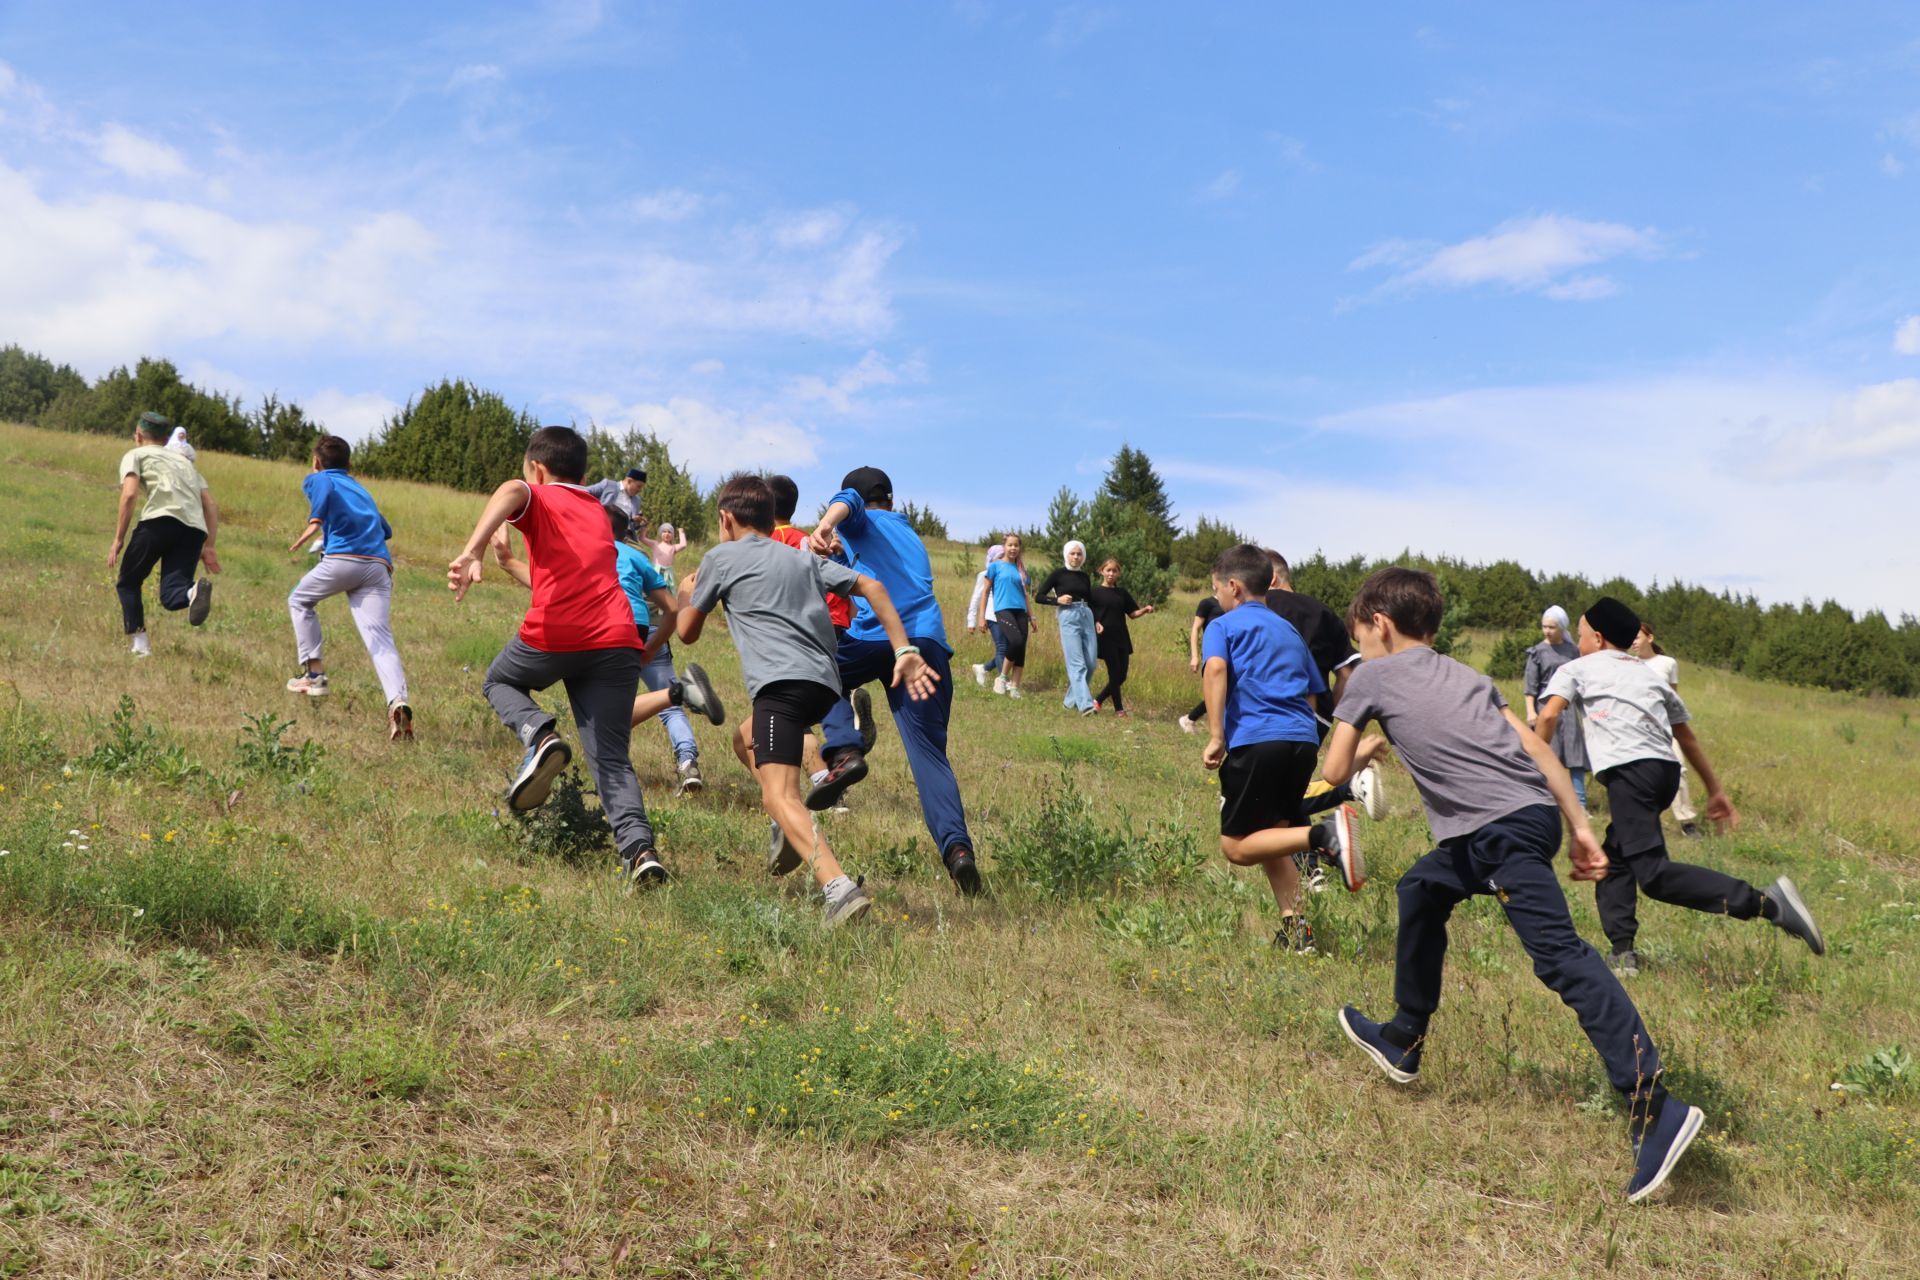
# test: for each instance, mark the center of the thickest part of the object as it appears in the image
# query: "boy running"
(354, 561)
(1491, 787)
(1633, 719)
(178, 521)
(1260, 679)
(775, 597)
(578, 632)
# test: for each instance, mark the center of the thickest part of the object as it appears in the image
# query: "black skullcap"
(637, 473)
(1615, 621)
(871, 483)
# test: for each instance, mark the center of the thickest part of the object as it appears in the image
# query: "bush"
(1507, 660)
(564, 828)
(135, 748)
(1061, 851)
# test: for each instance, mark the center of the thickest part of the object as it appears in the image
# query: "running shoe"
(1187, 725)
(851, 906)
(311, 683)
(199, 601)
(642, 870)
(1661, 1147)
(863, 719)
(545, 760)
(1625, 964)
(980, 674)
(1338, 840)
(1791, 914)
(690, 779)
(782, 857)
(697, 695)
(965, 871)
(849, 768)
(399, 722)
(1369, 790)
(1402, 1066)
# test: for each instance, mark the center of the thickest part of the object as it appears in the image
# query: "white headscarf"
(1070, 548)
(178, 443)
(1556, 614)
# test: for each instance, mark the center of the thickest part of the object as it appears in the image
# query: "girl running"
(1113, 605)
(1007, 588)
(1067, 588)
(980, 618)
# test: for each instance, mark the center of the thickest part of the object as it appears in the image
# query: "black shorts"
(1638, 792)
(1262, 784)
(783, 713)
(1013, 625)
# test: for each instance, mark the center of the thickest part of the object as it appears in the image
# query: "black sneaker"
(697, 695)
(965, 871)
(1791, 914)
(1294, 935)
(200, 601)
(1665, 1141)
(863, 721)
(841, 774)
(545, 760)
(1625, 963)
(642, 870)
(1692, 831)
(1401, 1065)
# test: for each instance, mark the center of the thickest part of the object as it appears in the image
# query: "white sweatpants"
(368, 586)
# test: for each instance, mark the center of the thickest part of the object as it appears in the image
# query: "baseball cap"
(871, 483)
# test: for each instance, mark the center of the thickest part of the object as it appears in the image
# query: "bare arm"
(1589, 859)
(1348, 753)
(516, 568)
(1550, 712)
(1719, 804)
(664, 609)
(681, 543)
(508, 501)
(1213, 683)
(210, 512)
(129, 498)
(1193, 643)
(1340, 678)
(306, 535)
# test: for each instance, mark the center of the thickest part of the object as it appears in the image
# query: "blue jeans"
(999, 646)
(922, 727)
(1579, 785)
(657, 675)
(1079, 643)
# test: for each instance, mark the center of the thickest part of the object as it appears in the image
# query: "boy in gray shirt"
(1491, 788)
(1633, 718)
(775, 597)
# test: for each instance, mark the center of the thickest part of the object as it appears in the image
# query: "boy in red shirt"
(578, 632)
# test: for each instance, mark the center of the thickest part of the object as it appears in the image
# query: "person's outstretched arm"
(1719, 804)
(1588, 858)
(1348, 753)
(1213, 683)
(516, 568)
(665, 612)
(508, 501)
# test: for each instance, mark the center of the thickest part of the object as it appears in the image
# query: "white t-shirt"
(1629, 709)
(1666, 668)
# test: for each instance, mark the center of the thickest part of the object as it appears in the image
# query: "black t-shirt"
(1111, 605)
(1207, 610)
(1064, 582)
(1319, 626)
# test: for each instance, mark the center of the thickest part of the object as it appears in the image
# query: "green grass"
(307, 1003)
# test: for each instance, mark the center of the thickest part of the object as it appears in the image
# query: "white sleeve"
(973, 603)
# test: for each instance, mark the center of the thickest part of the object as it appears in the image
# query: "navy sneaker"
(642, 870)
(1401, 1065)
(545, 760)
(965, 871)
(863, 721)
(1792, 914)
(199, 601)
(843, 773)
(1660, 1149)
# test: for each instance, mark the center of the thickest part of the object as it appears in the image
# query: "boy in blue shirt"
(354, 561)
(1260, 682)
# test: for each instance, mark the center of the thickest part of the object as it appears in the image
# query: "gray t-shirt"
(776, 608)
(1630, 711)
(1445, 721)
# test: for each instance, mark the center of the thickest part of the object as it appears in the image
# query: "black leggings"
(1117, 664)
(1013, 625)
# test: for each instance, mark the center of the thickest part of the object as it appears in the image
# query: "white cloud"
(1544, 254)
(138, 156)
(1222, 186)
(354, 415)
(710, 439)
(838, 393)
(1860, 436)
(810, 229)
(707, 368)
(670, 205)
(479, 73)
(1906, 337)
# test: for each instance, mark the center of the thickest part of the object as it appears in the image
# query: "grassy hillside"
(282, 1011)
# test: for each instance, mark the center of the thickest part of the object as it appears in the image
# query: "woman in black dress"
(1113, 606)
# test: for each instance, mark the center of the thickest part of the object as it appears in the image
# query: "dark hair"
(1648, 628)
(1281, 573)
(562, 451)
(1408, 596)
(153, 426)
(332, 453)
(786, 497)
(748, 499)
(621, 526)
(1247, 565)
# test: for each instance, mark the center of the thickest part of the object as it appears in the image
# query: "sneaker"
(999, 684)
(697, 695)
(1013, 691)
(311, 683)
(1401, 1065)
(1692, 831)
(851, 907)
(690, 779)
(1367, 789)
(1338, 841)
(1187, 725)
(1792, 916)
(199, 601)
(782, 857)
(1654, 1156)
(863, 721)
(399, 723)
(965, 871)
(1294, 935)
(1123, 714)
(980, 674)
(641, 869)
(841, 774)
(545, 760)
(1625, 964)
(1093, 710)
(142, 647)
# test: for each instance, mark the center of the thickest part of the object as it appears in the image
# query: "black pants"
(1117, 664)
(1638, 792)
(1013, 624)
(1512, 859)
(172, 544)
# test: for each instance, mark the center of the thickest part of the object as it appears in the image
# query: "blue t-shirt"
(350, 523)
(637, 577)
(890, 551)
(1270, 672)
(1009, 586)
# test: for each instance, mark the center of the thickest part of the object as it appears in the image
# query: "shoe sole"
(1798, 906)
(703, 688)
(1375, 805)
(689, 786)
(400, 724)
(202, 602)
(980, 677)
(308, 690)
(863, 721)
(849, 911)
(824, 795)
(1393, 1073)
(1353, 863)
(1689, 1130)
(532, 791)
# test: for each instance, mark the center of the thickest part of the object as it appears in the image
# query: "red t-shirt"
(839, 608)
(577, 600)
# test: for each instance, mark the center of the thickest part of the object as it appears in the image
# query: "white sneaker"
(142, 647)
(1370, 790)
(1186, 724)
(980, 673)
(1013, 691)
(311, 683)
(999, 684)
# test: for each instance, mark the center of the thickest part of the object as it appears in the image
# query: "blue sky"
(1624, 290)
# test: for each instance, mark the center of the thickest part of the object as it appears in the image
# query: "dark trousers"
(601, 684)
(1512, 859)
(1117, 664)
(922, 727)
(172, 544)
(1638, 792)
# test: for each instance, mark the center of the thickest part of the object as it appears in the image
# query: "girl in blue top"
(1007, 581)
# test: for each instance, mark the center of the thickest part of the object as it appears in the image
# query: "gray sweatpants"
(368, 586)
(601, 685)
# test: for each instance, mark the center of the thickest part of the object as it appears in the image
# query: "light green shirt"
(172, 485)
